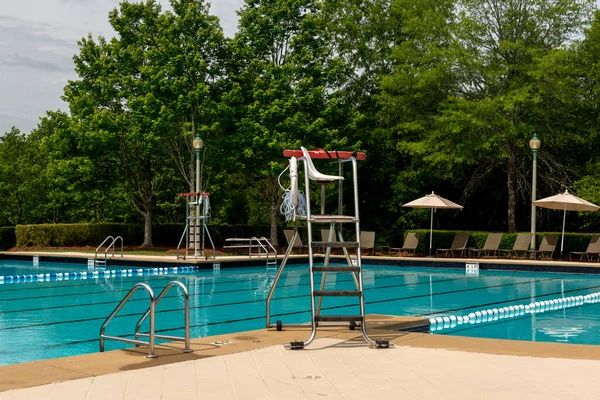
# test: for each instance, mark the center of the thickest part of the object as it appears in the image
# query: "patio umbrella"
(566, 202)
(434, 202)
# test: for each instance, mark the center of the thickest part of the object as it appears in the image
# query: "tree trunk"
(147, 229)
(512, 194)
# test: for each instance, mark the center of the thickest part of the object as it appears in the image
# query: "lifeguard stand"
(196, 226)
(353, 265)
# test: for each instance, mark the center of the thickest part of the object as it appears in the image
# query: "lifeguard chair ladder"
(196, 227)
(353, 266)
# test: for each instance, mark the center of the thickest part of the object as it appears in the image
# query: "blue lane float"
(84, 275)
(489, 315)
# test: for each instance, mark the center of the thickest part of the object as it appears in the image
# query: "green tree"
(483, 122)
(17, 173)
(74, 185)
(289, 82)
(194, 54)
(410, 99)
(585, 70)
(117, 101)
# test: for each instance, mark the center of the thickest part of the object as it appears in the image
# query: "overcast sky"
(38, 39)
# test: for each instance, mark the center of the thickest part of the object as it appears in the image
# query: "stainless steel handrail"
(259, 241)
(112, 244)
(186, 310)
(101, 244)
(113, 247)
(270, 245)
(150, 342)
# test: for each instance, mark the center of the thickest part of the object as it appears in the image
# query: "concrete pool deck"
(339, 365)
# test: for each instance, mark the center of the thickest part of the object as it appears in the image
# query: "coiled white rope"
(287, 208)
(294, 202)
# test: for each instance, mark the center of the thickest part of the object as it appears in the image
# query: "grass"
(158, 251)
(133, 251)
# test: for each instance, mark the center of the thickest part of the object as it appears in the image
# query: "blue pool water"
(49, 319)
(12, 267)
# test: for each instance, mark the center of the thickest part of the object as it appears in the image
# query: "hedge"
(78, 235)
(70, 235)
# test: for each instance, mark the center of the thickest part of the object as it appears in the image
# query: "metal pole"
(533, 320)
(533, 194)
(197, 219)
(431, 233)
(562, 238)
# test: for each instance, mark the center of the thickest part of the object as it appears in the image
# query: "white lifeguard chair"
(354, 265)
(196, 226)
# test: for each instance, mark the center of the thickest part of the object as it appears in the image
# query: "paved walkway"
(337, 369)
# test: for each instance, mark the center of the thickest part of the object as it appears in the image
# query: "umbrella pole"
(562, 239)
(431, 233)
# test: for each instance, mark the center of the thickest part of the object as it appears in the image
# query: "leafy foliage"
(442, 95)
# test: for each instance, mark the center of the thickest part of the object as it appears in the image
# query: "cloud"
(226, 11)
(38, 41)
(17, 121)
(20, 34)
(25, 61)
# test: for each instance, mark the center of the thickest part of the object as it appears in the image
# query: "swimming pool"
(57, 318)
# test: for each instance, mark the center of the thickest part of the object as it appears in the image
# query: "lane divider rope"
(60, 276)
(494, 314)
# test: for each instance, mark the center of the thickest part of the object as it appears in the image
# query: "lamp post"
(534, 144)
(198, 144)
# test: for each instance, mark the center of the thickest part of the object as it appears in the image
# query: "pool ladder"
(265, 247)
(112, 245)
(150, 313)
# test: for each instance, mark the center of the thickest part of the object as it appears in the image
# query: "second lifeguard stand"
(196, 226)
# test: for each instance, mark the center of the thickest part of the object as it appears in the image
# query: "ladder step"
(341, 268)
(338, 318)
(337, 293)
(336, 245)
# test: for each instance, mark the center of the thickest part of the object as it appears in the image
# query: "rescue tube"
(294, 183)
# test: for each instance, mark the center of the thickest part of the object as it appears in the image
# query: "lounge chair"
(410, 243)
(547, 246)
(592, 249)
(521, 245)
(492, 243)
(458, 244)
(297, 245)
(367, 241)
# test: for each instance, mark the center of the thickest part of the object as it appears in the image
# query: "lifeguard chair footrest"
(295, 345)
(383, 344)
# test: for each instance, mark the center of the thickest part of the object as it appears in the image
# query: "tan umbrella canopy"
(434, 202)
(566, 202)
